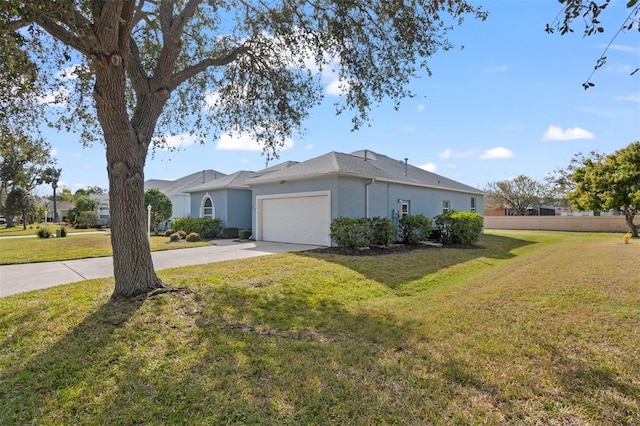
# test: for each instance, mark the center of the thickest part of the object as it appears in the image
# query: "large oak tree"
(151, 66)
(610, 182)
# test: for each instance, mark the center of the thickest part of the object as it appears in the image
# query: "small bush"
(87, 220)
(626, 237)
(63, 231)
(245, 234)
(459, 227)
(351, 233)
(182, 234)
(168, 232)
(230, 232)
(383, 231)
(207, 228)
(414, 228)
(43, 232)
(193, 237)
(174, 237)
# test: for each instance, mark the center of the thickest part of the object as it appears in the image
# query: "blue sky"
(511, 102)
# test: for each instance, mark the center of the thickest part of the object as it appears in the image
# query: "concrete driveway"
(34, 276)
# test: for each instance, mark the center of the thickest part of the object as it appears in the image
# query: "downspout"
(366, 197)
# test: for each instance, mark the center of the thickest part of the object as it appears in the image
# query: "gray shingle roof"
(235, 180)
(180, 186)
(366, 164)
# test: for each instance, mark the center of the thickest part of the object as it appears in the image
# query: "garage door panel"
(303, 220)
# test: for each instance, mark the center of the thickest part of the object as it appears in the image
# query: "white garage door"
(302, 219)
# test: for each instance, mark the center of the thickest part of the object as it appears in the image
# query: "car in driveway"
(3, 221)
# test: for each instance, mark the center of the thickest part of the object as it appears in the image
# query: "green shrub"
(193, 237)
(459, 227)
(245, 234)
(87, 220)
(351, 233)
(43, 232)
(383, 231)
(230, 232)
(182, 234)
(63, 231)
(174, 237)
(414, 228)
(168, 232)
(207, 228)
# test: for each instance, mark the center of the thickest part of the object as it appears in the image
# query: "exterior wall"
(219, 198)
(181, 205)
(329, 183)
(558, 223)
(385, 200)
(350, 196)
(239, 209)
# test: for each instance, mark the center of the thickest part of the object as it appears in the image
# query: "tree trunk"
(126, 154)
(629, 215)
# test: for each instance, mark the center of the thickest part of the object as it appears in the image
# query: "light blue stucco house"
(296, 201)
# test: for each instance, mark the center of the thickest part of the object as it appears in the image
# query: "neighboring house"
(296, 202)
(176, 190)
(104, 217)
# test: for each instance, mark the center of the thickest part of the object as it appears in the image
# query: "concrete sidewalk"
(34, 276)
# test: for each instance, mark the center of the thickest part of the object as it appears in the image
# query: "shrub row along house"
(296, 201)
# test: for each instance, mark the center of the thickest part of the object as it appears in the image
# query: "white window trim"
(202, 206)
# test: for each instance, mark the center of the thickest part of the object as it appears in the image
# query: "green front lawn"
(536, 328)
(81, 246)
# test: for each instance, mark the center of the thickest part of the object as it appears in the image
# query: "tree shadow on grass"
(28, 388)
(398, 268)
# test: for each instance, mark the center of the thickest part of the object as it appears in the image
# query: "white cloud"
(337, 87)
(430, 167)
(621, 48)
(634, 97)
(496, 153)
(555, 133)
(450, 153)
(244, 142)
(309, 147)
(420, 107)
(496, 68)
(56, 98)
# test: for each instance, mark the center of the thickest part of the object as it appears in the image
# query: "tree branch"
(184, 75)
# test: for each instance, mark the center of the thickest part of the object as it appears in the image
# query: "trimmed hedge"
(351, 233)
(459, 227)
(414, 228)
(205, 227)
(383, 231)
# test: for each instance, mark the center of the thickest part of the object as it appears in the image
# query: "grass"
(32, 229)
(536, 328)
(81, 246)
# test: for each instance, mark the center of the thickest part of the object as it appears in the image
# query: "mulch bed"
(391, 249)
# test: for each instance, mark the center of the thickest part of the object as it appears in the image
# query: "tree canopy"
(147, 69)
(19, 202)
(518, 193)
(161, 207)
(22, 160)
(610, 182)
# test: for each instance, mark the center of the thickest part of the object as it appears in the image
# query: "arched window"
(208, 210)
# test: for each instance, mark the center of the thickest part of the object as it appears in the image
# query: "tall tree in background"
(22, 160)
(51, 176)
(161, 207)
(518, 193)
(20, 202)
(151, 66)
(610, 182)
